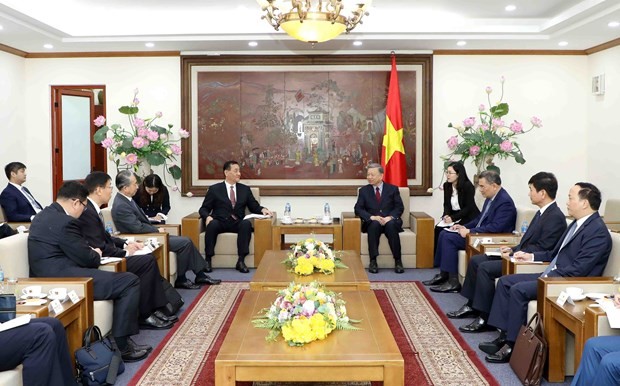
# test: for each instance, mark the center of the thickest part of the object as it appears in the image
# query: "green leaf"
(519, 158)
(127, 143)
(500, 110)
(100, 134)
(159, 129)
(155, 159)
(450, 124)
(129, 110)
(175, 171)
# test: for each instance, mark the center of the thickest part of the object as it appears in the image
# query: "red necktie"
(378, 194)
(233, 198)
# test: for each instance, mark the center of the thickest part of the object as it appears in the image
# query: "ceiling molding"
(13, 51)
(509, 52)
(603, 47)
(51, 55)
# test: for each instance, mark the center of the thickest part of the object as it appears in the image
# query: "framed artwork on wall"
(301, 125)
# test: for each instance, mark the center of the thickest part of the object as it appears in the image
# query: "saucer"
(34, 296)
(578, 298)
(326, 222)
(61, 298)
(595, 295)
(32, 302)
(312, 221)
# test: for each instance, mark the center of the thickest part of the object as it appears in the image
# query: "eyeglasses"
(83, 204)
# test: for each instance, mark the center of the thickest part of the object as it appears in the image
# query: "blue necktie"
(569, 235)
(484, 213)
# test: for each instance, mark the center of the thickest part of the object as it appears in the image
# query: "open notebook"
(19, 321)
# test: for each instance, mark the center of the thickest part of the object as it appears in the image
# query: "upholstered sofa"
(193, 226)
(612, 214)
(416, 240)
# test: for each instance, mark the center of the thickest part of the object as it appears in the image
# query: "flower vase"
(143, 168)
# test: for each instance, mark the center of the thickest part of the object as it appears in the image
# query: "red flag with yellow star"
(393, 150)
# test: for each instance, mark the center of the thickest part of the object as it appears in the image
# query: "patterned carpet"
(434, 353)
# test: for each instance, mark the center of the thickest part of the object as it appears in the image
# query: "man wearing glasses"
(56, 248)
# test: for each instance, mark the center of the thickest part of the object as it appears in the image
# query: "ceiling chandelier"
(314, 21)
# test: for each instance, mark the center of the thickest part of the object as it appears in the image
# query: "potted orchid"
(488, 135)
(143, 144)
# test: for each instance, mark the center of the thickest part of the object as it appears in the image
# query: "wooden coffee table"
(367, 355)
(272, 275)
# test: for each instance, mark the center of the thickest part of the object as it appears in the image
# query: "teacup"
(58, 293)
(32, 290)
(574, 292)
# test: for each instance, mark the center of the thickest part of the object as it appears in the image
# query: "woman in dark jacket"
(153, 198)
(458, 199)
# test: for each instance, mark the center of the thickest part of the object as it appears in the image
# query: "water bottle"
(1, 274)
(109, 228)
(287, 211)
(326, 212)
(524, 227)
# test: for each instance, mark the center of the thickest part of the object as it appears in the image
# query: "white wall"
(13, 107)
(555, 88)
(604, 124)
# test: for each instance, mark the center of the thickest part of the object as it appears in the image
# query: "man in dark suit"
(380, 207)
(223, 210)
(582, 251)
(498, 215)
(56, 248)
(152, 297)
(129, 218)
(543, 233)
(41, 347)
(16, 200)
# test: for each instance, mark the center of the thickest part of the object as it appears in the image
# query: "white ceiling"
(226, 26)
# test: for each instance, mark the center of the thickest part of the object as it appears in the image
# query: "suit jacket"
(129, 218)
(467, 204)
(217, 202)
(149, 208)
(543, 234)
(55, 244)
(94, 232)
(391, 204)
(16, 206)
(500, 218)
(585, 254)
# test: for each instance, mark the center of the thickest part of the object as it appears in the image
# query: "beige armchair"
(416, 240)
(612, 214)
(193, 226)
(13, 225)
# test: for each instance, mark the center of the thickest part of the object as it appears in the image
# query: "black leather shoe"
(436, 280)
(462, 312)
(166, 318)
(502, 356)
(478, 325)
(241, 267)
(186, 284)
(449, 286)
(372, 266)
(203, 278)
(398, 266)
(154, 323)
(493, 346)
(139, 347)
(208, 267)
(132, 355)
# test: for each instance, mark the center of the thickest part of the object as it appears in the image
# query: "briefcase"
(530, 352)
(7, 307)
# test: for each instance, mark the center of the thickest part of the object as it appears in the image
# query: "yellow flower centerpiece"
(303, 313)
(312, 255)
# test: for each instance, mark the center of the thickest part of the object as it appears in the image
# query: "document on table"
(613, 313)
(443, 224)
(147, 249)
(19, 321)
(108, 260)
(258, 216)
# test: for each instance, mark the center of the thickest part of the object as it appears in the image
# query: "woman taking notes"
(153, 198)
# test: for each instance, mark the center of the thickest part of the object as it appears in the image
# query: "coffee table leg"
(224, 375)
(394, 375)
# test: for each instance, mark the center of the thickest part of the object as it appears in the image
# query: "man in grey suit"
(129, 218)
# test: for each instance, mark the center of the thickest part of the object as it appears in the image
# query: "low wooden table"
(367, 355)
(272, 275)
(279, 230)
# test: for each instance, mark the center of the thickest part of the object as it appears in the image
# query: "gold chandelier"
(314, 21)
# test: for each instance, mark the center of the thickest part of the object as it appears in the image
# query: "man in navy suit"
(223, 210)
(16, 200)
(129, 218)
(498, 215)
(582, 251)
(543, 233)
(380, 207)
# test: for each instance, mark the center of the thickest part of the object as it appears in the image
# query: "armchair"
(612, 214)
(193, 226)
(416, 240)
(13, 225)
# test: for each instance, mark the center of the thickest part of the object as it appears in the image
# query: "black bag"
(7, 307)
(175, 301)
(99, 361)
(530, 352)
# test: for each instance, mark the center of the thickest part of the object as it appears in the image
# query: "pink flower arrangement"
(144, 141)
(482, 142)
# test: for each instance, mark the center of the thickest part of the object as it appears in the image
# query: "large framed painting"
(301, 125)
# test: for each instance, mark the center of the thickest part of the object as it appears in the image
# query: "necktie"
(378, 194)
(484, 213)
(233, 198)
(101, 218)
(569, 235)
(525, 237)
(31, 200)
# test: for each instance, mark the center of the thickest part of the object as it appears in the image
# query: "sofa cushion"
(407, 243)
(12, 377)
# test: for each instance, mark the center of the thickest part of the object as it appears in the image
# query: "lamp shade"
(316, 28)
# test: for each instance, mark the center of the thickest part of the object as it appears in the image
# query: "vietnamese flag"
(393, 150)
